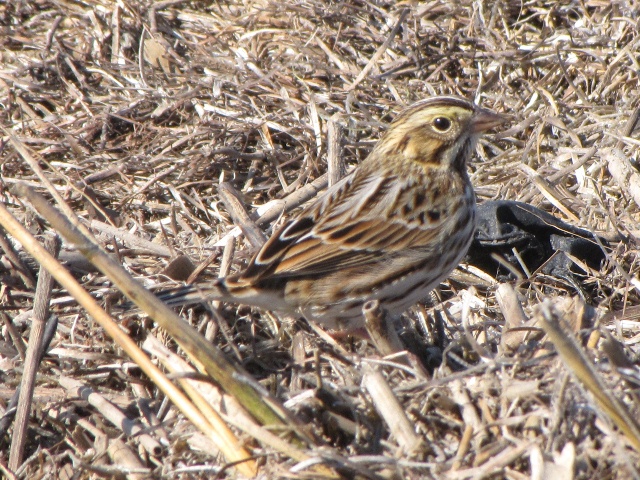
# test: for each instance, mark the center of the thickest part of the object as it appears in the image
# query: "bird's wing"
(349, 226)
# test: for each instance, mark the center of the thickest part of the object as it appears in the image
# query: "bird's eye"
(442, 124)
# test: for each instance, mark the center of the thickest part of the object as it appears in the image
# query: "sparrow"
(391, 230)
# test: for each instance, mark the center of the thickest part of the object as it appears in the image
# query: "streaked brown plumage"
(392, 230)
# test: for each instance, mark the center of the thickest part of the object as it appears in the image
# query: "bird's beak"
(484, 120)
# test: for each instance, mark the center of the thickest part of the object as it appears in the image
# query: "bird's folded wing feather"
(347, 227)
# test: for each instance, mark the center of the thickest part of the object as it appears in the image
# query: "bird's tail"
(230, 290)
(194, 294)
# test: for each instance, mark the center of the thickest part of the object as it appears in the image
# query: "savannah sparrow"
(392, 230)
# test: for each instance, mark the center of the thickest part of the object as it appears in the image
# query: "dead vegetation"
(138, 112)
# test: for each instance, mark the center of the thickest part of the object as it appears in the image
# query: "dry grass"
(137, 112)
